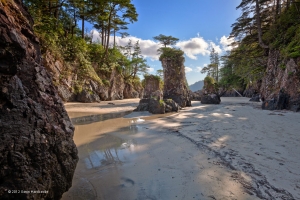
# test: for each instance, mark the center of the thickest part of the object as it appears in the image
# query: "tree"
(213, 68)
(166, 40)
(135, 64)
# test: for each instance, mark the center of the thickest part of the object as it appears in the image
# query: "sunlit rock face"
(37, 152)
(151, 85)
(175, 81)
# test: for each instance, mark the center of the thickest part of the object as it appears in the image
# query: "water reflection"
(111, 156)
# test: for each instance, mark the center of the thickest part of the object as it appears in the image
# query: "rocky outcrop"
(156, 105)
(210, 99)
(196, 96)
(282, 77)
(175, 81)
(37, 151)
(72, 87)
(151, 85)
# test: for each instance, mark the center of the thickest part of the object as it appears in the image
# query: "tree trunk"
(82, 31)
(258, 22)
(114, 38)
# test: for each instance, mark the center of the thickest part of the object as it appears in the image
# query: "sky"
(198, 24)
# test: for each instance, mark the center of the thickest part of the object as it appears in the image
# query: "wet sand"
(229, 151)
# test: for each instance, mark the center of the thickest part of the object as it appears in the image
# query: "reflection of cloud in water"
(115, 156)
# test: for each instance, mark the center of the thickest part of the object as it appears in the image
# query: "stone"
(87, 97)
(156, 106)
(37, 151)
(151, 85)
(196, 96)
(255, 97)
(210, 99)
(281, 101)
(172, 104)
(130, 92)
(175, 86)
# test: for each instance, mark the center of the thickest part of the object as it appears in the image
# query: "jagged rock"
(196, 96)
(143, 105)
(156, 106)
(175, 81)
(210, 99)
(65, 94)
(277, 103)
(129, 92)
(255, 98)
(281, 75)
(172, 105)
(87, 97)
(157, 95)
(151, 85)
(37, 151)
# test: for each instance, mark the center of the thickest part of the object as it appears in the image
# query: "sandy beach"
(233, 150)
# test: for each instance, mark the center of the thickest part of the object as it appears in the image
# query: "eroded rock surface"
(175, 81)
(281, 85)
(37, 151)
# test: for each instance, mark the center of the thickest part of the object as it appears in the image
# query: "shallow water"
(105, 144)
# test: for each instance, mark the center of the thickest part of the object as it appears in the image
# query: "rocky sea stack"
(37, 152)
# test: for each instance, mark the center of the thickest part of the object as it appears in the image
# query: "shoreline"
(255, 150)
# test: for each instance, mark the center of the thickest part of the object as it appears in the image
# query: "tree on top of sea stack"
(166, 40)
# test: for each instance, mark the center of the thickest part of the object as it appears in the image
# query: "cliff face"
(37, 151)
(174, 81)
(281, 84)
(90, 90)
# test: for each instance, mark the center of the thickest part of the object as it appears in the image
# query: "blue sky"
(201, 24)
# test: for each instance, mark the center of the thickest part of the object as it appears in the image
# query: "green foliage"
(208, 80)
(171, 53)
(166, 40)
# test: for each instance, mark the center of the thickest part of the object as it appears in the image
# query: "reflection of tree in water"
(109, 158)
(113, 150)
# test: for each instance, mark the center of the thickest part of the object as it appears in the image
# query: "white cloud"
(188, 69)
(194, 47)
(150, 69)
(216, 47)
(148, 47)
(225, 41)
(198, 69)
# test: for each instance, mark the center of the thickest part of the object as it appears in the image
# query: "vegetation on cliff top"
(264, 26)
(56, 25)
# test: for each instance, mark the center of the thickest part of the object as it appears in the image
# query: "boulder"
(143, 105)
(210, 99)
(172, 105)
(156, 106)
(87, 97)
(196, 96)
(37, 151)
(281, 101)
(255, 97)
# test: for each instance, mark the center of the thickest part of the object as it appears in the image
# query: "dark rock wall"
(281, 77)
(37, 151)
(174, 81)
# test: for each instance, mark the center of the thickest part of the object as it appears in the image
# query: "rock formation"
(151, 85)
(70, 88)
(175, 86)
(280, 86)
(37, 152)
